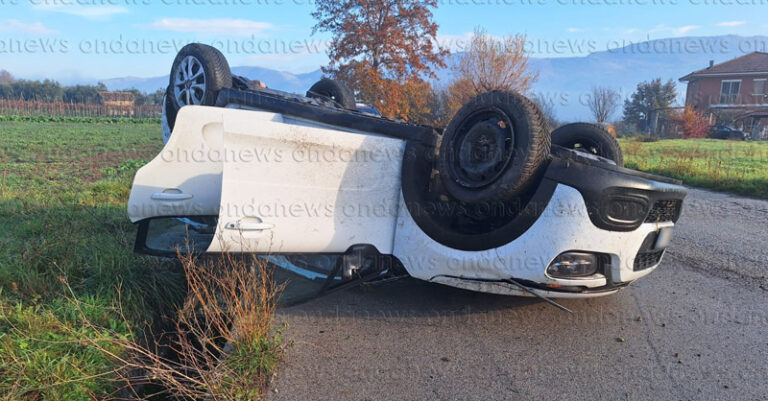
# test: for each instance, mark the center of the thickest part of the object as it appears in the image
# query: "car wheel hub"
(189, 82)
(484, 151)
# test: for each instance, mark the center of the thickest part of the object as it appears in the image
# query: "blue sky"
(87, 39)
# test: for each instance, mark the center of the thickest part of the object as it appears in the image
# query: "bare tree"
(603, 103)
(491, 64)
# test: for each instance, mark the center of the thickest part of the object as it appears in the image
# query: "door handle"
(170, 196)
(248, 226)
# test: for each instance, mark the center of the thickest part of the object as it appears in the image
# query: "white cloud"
(620, 29)
(574, 30)
(218, 26)
(681, 30)
(687, 28)
(731, 23)
(34, 28)
(85, 11)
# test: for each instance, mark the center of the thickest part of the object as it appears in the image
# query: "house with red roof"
(733, 93)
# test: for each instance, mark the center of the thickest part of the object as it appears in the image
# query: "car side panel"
(297, 187)
(184, 179)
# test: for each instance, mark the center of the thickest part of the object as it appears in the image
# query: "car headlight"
(573, 265)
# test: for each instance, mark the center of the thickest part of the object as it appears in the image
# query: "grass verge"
(71, 288)
(733, 166)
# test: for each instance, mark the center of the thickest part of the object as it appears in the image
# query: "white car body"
(285, 185)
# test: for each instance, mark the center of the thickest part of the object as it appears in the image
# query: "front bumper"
(609, 211)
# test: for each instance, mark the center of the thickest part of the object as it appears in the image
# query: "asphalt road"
(695, 329)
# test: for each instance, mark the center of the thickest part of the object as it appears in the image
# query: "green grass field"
(731, 166)
(63, 190)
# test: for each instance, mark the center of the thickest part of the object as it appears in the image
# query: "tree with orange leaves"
(693, 123)
(384, 50)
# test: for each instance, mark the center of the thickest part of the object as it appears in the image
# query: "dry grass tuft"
(225, 345)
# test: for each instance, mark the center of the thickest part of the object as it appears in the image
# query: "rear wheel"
(589, 138)
(493, 148)
(334, 91)
(199, 72)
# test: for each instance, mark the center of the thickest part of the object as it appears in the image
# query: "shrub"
(693, 123)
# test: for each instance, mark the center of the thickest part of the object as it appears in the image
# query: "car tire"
(169, 110)
(494, 148)
(199, 72)
(589, 138)
(164, 122)
(335, 91)
(459, 225)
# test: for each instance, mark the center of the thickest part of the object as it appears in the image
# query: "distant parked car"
(368, 109)
(720, 131)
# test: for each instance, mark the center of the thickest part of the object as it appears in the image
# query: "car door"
(175, 198)
(299, 187)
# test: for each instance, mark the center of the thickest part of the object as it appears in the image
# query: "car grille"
(646, 259)
(664, 210)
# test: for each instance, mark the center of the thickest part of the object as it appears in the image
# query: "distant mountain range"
(623, 68)
(562, 80)
(298, 83)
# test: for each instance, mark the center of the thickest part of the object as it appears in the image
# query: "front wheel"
(493, 148)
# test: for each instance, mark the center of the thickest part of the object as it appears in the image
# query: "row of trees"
(52, 91)
(387, 51)
(651, 100)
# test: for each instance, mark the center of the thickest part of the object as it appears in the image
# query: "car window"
(164, 236)
(302, 276)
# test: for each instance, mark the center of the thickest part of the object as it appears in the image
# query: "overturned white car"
(336, 195)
